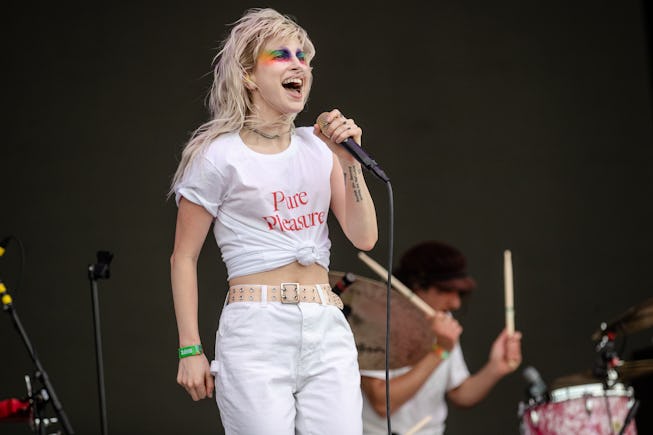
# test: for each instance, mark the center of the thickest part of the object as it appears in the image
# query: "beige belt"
(287, 293)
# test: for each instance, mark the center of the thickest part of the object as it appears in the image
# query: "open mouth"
(294, 84)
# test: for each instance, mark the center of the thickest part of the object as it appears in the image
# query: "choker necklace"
(269, 136)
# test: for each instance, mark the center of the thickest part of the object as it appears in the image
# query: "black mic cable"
(367, 162)
(387, 305)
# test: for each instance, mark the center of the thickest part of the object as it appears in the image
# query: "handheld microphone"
(537, 388)
(355, 150)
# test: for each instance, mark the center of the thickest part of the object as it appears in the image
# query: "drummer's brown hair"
(434, 263)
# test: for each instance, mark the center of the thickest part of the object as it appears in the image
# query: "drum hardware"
(341, 285)
(46, 394)
(537, 389)
(634, 406)
(582, 409)
(589, 405)
(595, 401)
(536, 394)
(99, 270)
(38, 422)
(535, 417)
(29, 410)
(607, 359)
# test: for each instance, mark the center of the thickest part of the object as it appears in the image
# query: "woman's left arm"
(352, 204)
(350, 199)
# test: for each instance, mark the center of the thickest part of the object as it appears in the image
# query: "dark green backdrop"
(503, 124)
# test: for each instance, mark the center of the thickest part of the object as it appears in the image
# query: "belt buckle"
(289, 299)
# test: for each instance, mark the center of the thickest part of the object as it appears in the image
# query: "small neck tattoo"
(269, 136)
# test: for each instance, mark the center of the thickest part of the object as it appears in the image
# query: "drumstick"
(419, 425)
(509, 293)
(401, 288)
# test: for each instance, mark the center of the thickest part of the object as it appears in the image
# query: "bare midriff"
(293, 272)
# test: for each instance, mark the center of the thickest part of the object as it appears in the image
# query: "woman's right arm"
(402, 388)
(193, 223)
(447, 331)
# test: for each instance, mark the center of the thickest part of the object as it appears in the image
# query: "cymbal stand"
(47, 393)
(607, 360)
(98, 271)
(605, 365)
(605, 368)
(37, 404)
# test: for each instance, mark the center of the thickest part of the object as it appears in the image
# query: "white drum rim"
(589, 390)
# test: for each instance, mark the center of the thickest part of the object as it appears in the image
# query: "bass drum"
(581, 410)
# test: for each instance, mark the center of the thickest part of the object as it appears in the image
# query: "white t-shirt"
(429, 400)
(270, 209)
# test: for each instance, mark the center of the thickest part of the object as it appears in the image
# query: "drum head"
(410, 332)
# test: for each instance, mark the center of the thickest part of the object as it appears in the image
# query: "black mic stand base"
(47, 393)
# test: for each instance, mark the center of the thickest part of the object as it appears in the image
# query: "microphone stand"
(605, 366)
(98, 271)
(47, 393)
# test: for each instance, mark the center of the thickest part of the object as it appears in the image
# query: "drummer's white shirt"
(429, 400)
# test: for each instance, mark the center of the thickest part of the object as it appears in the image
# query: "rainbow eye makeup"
(282, 55)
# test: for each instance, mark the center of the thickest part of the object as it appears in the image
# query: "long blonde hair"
(230, 102)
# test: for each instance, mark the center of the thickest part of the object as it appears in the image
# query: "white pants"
(286, 369)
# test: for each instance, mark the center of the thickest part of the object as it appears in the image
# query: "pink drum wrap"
(581, 410)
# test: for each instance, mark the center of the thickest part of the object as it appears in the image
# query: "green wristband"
(195, 349)
(440, 351)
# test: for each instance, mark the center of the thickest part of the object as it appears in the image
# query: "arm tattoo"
(354, 172)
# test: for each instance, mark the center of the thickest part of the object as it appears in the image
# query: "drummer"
(436, 272)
